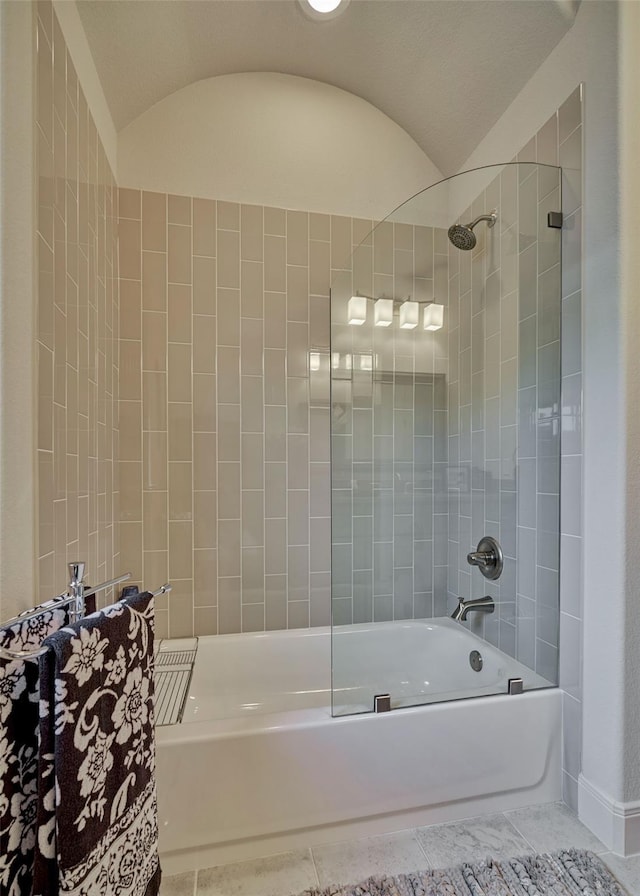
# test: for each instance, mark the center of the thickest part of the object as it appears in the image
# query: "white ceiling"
(444, 70)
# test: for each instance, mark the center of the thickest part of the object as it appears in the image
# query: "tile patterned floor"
(537, 829)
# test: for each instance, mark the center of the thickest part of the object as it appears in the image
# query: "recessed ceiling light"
(324, 5)
(322, 10)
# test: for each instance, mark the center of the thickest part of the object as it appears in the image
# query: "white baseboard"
(616, 824)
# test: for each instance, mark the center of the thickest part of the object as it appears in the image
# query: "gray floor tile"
(354, 860)
(536, 829)
(471, 840)
(553, 826)
(281, 875)
(627, 871)
(178, 884)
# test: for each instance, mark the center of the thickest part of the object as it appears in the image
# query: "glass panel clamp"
(515, 686)
(382, 703)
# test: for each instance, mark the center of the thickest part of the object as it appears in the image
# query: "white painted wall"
(610, 780)
(17, 310)
(272, 139)
(630, 293)
(587, 51)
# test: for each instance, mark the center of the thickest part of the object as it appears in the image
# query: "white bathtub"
(259, 765)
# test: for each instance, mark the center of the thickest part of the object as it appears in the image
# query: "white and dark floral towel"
(19, 748)
(97, 822)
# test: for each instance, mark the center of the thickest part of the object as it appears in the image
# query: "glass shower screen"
(445, 429)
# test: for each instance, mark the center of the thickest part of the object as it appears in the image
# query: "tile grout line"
(518, 831)
(315, 867)
(421, 845)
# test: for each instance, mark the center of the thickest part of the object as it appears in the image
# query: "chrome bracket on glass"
(487, 557)
(382, 703)
(515, 686)
(554, 219)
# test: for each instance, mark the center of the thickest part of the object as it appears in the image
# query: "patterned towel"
(97, 815)
(19, 748)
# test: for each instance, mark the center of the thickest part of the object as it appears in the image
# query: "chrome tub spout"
(477, 605)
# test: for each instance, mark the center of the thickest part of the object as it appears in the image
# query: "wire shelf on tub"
(174, 668)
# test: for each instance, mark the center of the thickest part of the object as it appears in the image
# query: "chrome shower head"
(462, 235)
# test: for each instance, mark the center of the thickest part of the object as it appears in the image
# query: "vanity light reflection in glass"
(409, 314)
(341, 362)
(383, 313)
(357, 310)
(433, 318)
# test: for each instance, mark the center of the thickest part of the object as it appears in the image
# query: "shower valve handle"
(481, 558)
(487, 557)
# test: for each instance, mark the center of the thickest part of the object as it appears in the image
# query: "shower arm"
(490, 219)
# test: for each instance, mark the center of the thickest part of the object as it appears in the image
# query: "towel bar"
(77, 595)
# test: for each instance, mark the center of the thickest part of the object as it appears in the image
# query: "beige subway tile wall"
(507, 410)
(515, 414)
(224, 434)
(77, 326)
(493, 352)
(504, 393)
(389, 551)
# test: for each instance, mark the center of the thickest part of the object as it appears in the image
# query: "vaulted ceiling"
(444, 70)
